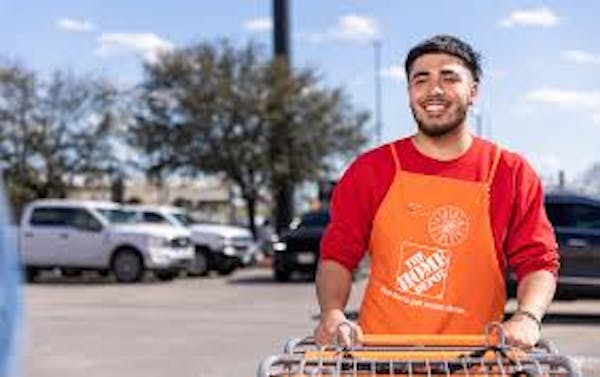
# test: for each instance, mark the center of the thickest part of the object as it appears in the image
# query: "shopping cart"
(419, 355)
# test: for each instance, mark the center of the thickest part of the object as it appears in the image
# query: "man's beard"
(439, 130)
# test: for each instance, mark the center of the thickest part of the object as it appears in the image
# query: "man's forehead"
(438, 62)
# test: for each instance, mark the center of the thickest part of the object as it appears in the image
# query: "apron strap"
(494, 165)
(395, 155)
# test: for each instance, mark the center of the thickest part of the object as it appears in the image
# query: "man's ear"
(473, 92)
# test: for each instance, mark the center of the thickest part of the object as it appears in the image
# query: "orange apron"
(434, 267)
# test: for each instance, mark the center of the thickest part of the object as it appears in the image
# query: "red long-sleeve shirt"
(522, 233)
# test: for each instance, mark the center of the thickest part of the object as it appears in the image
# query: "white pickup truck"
(218, 247)
(75, 235)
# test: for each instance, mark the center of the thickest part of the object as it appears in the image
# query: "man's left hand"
(521, 331)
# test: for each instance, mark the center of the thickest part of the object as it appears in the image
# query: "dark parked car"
(298, 249)
(576, 221)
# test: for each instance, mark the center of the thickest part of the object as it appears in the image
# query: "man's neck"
(444, 148)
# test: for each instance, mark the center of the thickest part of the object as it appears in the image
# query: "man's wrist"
(327, 313)
(524, 313)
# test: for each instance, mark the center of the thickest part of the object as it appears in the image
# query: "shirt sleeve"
(530, 243)
(353, 206)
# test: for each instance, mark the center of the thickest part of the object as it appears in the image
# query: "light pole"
(377, 80)
(478, 117)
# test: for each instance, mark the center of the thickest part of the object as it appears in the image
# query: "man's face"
(440, 90)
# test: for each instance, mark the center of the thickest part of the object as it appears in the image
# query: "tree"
(53, 131)
(214, 108)
(590, 179)
(17, 100)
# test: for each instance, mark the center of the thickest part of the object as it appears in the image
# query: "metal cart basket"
(419, 355)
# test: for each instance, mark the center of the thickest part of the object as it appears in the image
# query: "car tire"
(127, 266)
(226, 267)
(31, 274)
(199, 265)
(166, 275)
(281, 274)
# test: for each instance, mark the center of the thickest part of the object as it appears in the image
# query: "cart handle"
(494, 336)
(428, 340)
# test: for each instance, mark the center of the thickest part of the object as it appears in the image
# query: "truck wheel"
(127, 266)
(226, 267)
(30, 274)
(166, 275)
(281, 274)
(199, 265)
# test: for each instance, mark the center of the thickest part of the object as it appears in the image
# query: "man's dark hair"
(446, 44)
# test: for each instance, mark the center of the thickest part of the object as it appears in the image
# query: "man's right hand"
(334, 328)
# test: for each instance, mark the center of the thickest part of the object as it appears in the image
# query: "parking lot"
(216, 326)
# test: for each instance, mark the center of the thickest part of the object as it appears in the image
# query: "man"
(442, 214)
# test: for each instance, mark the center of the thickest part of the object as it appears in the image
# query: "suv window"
(316, 219)
(557, 214)
(151, 217)
(583, 216)
(82, 219)
(51, 216)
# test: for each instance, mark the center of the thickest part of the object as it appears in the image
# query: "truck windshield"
(184, 219)
(118, 216)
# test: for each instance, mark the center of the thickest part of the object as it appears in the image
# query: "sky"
(540, 94)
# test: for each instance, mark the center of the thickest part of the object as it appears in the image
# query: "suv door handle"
(64, 236)
(28, 235)
(577, 242)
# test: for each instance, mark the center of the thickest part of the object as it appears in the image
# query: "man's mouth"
(435, 108)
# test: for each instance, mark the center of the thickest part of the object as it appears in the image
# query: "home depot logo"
(422, 270)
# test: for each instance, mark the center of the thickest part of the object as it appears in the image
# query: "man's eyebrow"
(449, 71)
(419, 74)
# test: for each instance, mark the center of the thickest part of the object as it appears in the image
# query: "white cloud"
(259, 24)
(582, 101)
(73, 25)
(349, 28)
(394, 72)
(535, 17)
(581, 57)
(565, 98)
(148, 45)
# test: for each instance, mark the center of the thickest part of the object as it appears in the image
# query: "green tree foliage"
(219, 109)
(53, 131)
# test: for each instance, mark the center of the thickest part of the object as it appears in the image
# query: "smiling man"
(443, 214)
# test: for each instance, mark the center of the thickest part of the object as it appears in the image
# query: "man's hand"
(521, 331)
(334, 328)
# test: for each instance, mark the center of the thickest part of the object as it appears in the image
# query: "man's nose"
(436, 88)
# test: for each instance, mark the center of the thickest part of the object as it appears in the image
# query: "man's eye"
(451, 78)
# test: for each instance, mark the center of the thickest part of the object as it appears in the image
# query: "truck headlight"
(220, 242)
(279, 246)
(159, 242)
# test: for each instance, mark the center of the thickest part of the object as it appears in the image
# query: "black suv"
(298, 249)
(576, 221)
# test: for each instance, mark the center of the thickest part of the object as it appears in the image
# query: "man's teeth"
(434, 108)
